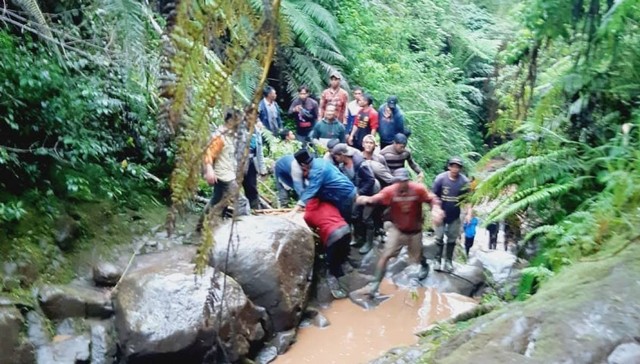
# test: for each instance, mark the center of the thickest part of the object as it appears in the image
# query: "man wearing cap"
(328, 128)
(397, 154)
(449, 186)
(354, 167)
(304, 110)
(326, 182)
(336, 96)
(366, 122)
(405, 199)
(330, 158)
(391, 120)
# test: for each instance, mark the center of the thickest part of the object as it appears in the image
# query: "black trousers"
(468, 243)
(337, 254)
(250, 185)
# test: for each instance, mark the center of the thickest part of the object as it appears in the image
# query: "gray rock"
(271, 257)
(503, 269)
(627, 353)
(355, 280)
(59, 302)
(266, 355)
(66, 230)
(369, 261)
(283, 340)
(66, 327)
(106, 274)
(103, 343)
(320, 321)
(160, 309)
(65, 350)
(37, 329)
(579, 316)
(13, 350)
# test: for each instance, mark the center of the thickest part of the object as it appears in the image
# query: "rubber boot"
(375, 284)
(438, 257)
(448, 265)
(368, 244)
(424, 269)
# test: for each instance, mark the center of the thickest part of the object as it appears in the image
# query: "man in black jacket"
(354, 167)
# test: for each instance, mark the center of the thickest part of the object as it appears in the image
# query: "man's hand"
(437, 215)
(291, 214)
(350, 140)
(210, 176)
(362, 200)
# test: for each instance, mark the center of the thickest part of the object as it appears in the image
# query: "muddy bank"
(356, 335)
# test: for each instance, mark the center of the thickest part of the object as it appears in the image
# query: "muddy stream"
(356, 335)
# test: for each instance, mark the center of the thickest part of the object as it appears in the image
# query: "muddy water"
(357, 336)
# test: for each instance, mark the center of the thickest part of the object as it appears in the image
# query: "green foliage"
(573, 109)
(435, 64)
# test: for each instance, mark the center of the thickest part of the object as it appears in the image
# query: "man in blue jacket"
(390, 121)
(326, 182)
(269, 111)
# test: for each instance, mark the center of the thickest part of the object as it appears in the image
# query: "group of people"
(358, 189)
(334, 116)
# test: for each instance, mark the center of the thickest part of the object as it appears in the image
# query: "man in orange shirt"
(336, 96)
(405, 199)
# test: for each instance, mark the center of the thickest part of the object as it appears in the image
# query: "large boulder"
(76, 300)
(164, 311)
(580, 316)
(13, 349)
(272, 259)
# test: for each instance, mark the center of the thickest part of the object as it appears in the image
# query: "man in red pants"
(405, 199)
(335, 235)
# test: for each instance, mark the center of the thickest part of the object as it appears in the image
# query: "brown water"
(357, 336)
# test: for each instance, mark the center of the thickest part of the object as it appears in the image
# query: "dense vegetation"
(112, 102)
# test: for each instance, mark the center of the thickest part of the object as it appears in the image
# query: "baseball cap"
(456, 160)
(392, 101)
(303, 157)
(401, 175)
(336, 74)
(342, 149)
(400, 139)
(332, 143)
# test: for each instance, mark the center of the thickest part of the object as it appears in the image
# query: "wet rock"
(65, 349)
(465, 280)
(106, 274)
(160, 310)
(369, 261)
(362, 298)
(103, 344)
(628, 353)
(67, 327)
(503, 269)
(397, 265)
(355, 280)
(283, 340)
(580, 316)
(429, 247)
(321, 321)
(37, 329)
(12, 348)
(266, 355)
(59, 302)
(407, 355)
(272, 259)
(66, 230)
